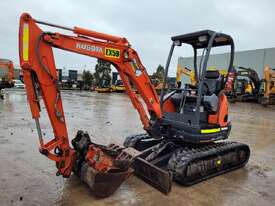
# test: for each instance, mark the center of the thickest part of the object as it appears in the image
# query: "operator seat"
(213, 83)
(211, 88)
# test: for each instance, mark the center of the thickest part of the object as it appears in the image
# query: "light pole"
(83, 76)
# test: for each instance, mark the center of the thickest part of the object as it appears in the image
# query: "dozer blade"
(155, 176)
(147, 170)
(103, 184)
(151, 164)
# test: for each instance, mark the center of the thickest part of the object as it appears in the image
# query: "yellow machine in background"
(191, 74)
(221, 71)
(269, 86)
(249, 88)
(103, 89)
(186, 71)
(118, 86)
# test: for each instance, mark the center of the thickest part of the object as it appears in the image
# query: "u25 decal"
(113, 53)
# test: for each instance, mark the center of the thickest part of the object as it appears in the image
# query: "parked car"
(18, 84)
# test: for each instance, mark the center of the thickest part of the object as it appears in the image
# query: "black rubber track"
(198, 155)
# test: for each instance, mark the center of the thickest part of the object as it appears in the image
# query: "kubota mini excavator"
(182, 126)
(7, 80)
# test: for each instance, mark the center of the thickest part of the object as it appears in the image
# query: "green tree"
(102, 73)
(88, 78)
(159, 74)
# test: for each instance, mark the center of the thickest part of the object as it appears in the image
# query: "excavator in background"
(183, 127)
(118, 86)
(268, 93)
(7, 76)
(107, 89)
(117, 83)
(246, 82)
(190, 73)
(246, 85)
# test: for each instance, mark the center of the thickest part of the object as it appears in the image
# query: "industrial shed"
(255, 59)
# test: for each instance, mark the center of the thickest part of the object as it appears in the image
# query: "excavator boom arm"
(40, 77)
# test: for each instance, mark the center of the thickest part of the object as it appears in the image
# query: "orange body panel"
(221, 117)
(168, 106)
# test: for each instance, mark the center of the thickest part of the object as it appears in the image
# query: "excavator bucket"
(98, 165)
(103, 184)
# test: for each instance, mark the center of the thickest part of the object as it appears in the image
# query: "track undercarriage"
(164, 160)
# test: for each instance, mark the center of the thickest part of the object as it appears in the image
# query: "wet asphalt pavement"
(28, 178)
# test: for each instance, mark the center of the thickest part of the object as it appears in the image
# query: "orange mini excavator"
(182, 127)
(6, 80)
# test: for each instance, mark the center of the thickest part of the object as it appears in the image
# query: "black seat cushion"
(213, 82)
(212, 74)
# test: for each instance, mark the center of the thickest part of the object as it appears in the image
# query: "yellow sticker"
(111, 52)
(25, 42)
(207, 131)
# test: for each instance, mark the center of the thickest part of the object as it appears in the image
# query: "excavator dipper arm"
(40, 77)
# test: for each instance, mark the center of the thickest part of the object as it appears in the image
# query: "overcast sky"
(148, 25)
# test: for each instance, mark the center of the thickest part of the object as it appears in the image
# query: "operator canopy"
(200, 39)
